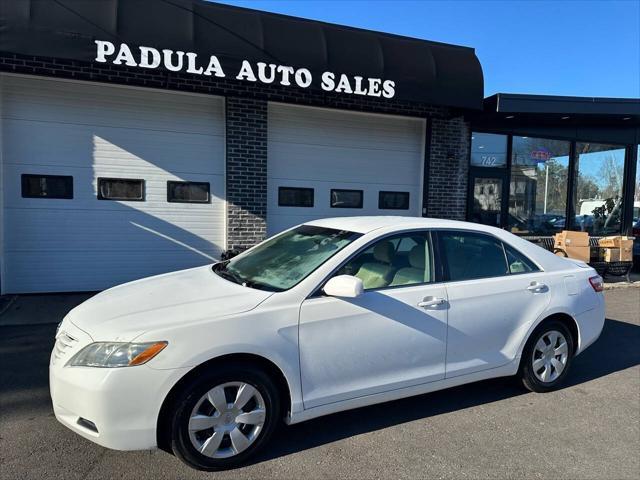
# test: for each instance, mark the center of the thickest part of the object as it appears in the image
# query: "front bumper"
(122, 403)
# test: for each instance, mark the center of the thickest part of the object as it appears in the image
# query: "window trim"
(122, 199)
(183, 182)
(383, 192)
(25, 176)
(313, 195)
(360, 204)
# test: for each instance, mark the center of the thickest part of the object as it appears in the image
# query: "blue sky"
(571, 47)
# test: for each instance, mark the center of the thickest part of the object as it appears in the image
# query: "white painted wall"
(325, 149)
(93, 130)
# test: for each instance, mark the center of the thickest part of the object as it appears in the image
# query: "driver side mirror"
(344, 286)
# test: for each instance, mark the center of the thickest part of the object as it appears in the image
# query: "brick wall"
(246, 171)
(447, 168)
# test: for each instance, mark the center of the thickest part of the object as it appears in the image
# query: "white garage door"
(90, 131)
(325, 163)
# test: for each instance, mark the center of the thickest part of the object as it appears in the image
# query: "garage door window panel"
(47, 186)
(397, 261)
(188, 192)
(295, 197)
(341, 198)
(123, 189)
(393, 201)
(470, 256)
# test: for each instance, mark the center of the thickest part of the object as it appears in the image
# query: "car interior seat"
(378, 273)
(417, 271)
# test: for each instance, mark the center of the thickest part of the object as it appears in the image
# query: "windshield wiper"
(222, 271)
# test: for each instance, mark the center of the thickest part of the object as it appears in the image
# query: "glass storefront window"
(598, 188)
(488, 150)
(538, 186)
(636, 197)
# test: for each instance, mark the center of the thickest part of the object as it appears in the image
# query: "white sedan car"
(327, 316)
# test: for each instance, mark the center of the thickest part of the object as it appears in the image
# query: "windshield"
(286, 259)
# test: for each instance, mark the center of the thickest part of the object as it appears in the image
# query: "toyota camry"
(327, 316)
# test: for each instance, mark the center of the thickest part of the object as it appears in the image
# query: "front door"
(392, 336)
(488, 194)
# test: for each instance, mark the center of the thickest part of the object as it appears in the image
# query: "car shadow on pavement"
(616, 349)
(24, 388)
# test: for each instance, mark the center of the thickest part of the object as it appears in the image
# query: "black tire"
(526, 372)
(191, 394)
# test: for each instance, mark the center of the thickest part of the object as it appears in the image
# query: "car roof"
(368, 224)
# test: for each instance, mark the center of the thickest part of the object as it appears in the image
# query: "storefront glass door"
(487, 198)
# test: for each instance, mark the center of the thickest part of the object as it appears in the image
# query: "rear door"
(493, 291)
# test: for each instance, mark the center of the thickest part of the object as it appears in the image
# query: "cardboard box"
(567, 238)
(579, 253)
(618, 254)
(617, 241)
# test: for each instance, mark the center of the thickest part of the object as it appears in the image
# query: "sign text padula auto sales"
(267, 73)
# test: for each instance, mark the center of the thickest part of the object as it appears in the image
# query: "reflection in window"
(538, 186)
(598, 190)
(488, 150)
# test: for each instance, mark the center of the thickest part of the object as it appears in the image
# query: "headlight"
(116, 354)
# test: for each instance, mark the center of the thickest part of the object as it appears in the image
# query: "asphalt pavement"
(491, 429)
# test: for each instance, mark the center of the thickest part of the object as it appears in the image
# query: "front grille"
(64, 344)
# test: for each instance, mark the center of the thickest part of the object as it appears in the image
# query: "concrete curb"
(618, 285)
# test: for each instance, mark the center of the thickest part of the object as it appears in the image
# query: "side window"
(468, 255)
(394, 261)
(518, 263)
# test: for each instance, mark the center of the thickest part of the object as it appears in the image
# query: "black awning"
(423, 71)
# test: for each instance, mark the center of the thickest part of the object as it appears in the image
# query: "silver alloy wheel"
(550, 356)
(227, 420)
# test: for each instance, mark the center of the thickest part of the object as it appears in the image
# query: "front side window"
(286, 259)
(488, 150)
(120, 189)
(538, 186)
(469, 255)
(598, 188)
(394, 261)
(47, 186)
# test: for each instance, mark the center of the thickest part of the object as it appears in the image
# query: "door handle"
(537, 287)
(428, 302)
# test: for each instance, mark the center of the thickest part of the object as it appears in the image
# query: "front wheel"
(223, 418)
(546, 357)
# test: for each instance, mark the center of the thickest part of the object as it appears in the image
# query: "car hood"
(126, 311)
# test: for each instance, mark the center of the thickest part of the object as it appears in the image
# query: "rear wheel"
(546, 357)
(222, 419)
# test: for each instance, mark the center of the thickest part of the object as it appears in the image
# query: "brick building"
(145, 136)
